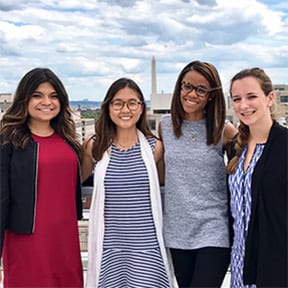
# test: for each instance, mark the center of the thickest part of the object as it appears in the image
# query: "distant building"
(87, 128)
(281, 109)
(5, 102)
(6, 98)
(84, 126)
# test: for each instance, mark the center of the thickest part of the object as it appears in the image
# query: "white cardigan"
(96, 218)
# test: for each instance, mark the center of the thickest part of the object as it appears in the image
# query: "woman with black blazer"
(258, 185)
(40, 186)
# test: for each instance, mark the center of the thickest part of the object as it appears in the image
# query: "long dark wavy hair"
(14, 124)
(215, 110)
(244, 132)
(105, 129)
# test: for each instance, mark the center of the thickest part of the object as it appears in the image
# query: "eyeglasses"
(201, 91)
(132, 104)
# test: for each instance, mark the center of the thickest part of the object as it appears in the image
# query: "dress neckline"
(42, 137)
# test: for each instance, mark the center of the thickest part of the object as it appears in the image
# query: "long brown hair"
(105, 129)
(14, 124)
(244, 132)
(215, 110)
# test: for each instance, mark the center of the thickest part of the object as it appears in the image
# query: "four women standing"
(39, 157)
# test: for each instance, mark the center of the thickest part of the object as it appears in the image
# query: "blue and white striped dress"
(240, 188)
(131, 255)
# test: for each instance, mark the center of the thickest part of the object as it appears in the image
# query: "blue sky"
(91, 43)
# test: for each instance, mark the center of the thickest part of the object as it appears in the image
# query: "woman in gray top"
(195, 200)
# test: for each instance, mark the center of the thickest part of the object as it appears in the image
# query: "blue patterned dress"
(240, 188)
(131, 253)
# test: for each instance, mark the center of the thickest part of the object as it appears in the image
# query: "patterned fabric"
(131, 256)
(240, 188)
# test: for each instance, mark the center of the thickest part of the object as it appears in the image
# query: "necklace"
(121, 145)
(126, 146)
(194, 138)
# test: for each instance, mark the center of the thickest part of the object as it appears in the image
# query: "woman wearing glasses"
(126, 246)
(195, 200)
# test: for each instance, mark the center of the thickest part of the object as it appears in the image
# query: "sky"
(91, 43)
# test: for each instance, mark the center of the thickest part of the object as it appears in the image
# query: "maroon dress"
(49, 257)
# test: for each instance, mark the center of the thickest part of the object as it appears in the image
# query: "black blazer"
(265, 262)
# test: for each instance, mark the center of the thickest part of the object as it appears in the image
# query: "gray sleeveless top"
(195, 193)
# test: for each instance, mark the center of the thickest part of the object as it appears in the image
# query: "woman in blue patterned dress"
(258, 185)
(125, 242)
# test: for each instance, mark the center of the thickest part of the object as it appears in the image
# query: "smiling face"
(125, 118)
(193, 105)
(44, 104)
(250, 103)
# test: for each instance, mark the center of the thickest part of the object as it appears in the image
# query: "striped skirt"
(132, 269)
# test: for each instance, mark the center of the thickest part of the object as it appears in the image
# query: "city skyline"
(89, 43)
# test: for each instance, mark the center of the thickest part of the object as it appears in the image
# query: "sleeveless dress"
(131, 254)
(240, 188)
(50, 256)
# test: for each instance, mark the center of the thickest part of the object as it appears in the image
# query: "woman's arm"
(229, 140)
(159, 159)
(87, 162)
(230, 132)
